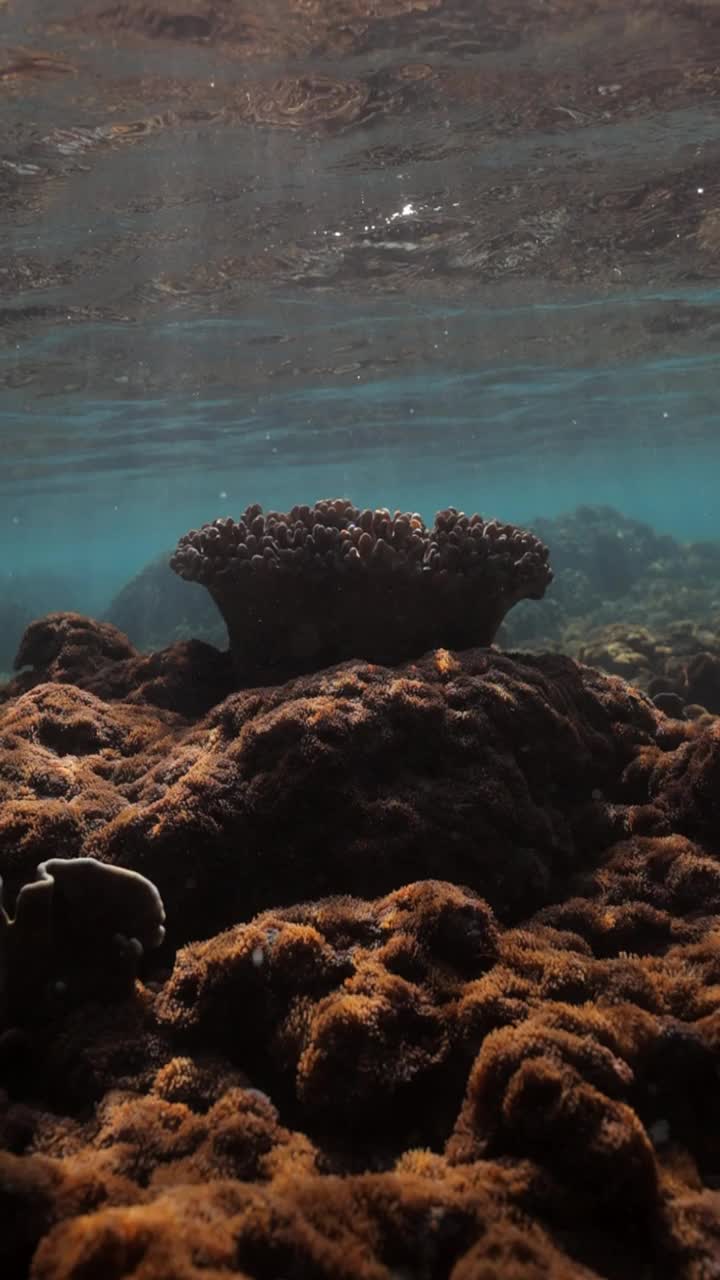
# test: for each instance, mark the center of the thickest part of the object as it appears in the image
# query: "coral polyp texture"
(320, 584)
(383, 971)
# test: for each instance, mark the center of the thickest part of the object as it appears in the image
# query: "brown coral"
(554, 1095)
(188, 678)
(515, 1077)
(65, 645)
(679, 666)
(358, 779)
(581, 1113)
(320, 584)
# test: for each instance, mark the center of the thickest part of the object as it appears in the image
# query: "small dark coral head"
(321, 584)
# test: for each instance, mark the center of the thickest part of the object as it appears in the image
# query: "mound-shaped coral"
(497, 1101)
(189, 677)
(504, 773)
(26, 594)
(478, 767)
(309, 588)
(623, 598)
(474, 1030)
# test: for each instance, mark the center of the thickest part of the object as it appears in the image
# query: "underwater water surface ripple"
(416, 251)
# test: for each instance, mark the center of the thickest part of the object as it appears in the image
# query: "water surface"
(416, 252)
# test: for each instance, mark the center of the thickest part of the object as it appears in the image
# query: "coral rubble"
(440, 991)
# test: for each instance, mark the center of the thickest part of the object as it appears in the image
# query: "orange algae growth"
(441, 987)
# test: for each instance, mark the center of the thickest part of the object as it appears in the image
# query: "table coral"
(310, 587)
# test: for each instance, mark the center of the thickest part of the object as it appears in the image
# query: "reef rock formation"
(533, 1102)
(478, 767)
(157, 608)
(609, 549)
(679, 666)
(309, 588)
(440, 992)
(189, 677)
(613, 572)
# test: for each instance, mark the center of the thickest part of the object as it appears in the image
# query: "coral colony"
(362, 949)
(329, 582)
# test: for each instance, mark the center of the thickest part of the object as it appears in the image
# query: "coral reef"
(319, 584)
(157, 608)
(440, 990)
(652, 618)
(678, 666)
(533, 1101)
(630, 602)
(25, 595)
(476, 767)
(614, 571)
(611, 551)
(189, 677)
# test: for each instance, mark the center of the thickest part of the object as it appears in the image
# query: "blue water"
(435, 256)
(120, 479)
(125, 478)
